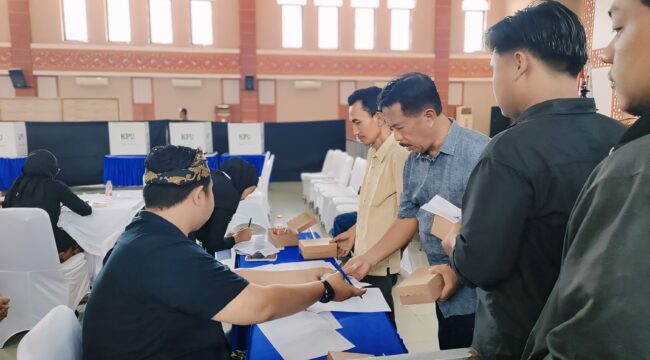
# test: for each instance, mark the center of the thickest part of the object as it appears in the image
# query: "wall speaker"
(249, 83)
(18, 79)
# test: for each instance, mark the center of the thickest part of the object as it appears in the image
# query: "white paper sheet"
(331, 320)
(304, 265)
(304, 335)
(373, 301)
(257, 243)
(440, 206)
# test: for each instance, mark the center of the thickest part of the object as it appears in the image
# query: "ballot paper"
(331, 320)
(257, 243)
(304, 335)
(304, 265)
(440, 206)
(372, 301)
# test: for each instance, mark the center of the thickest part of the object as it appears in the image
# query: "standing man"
(182, 114)
(380, 191)
(521, 193)
(599, 306)
(442, 157)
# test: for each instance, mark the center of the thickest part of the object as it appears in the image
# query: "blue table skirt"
(371, 333)
(10, 170)
(127, 170)
(256, 160)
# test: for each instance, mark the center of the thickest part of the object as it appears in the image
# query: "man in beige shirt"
(380, 190)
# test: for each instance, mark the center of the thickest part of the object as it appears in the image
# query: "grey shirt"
(445, 175)
(599, 306)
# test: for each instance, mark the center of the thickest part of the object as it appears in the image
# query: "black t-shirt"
(156, 296)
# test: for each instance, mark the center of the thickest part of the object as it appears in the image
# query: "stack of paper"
(372, 301)
(304, 335)
(440, 206)
(256, 244)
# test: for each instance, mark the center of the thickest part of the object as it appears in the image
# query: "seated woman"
(38, 188)
(233, 183)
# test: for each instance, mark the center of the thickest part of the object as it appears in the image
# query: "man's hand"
(343, 290)
(4, 307)
(243, 235)
(358, 267)
(344, 242)
(449, 277)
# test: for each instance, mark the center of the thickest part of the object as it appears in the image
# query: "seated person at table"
(343, 223)
(38, 188)
(161, 296)
(4, 307)
(380, 191)
(233, 183)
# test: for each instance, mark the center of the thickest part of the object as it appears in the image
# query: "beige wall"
(306, 105)
(4, 21)
(480, 97)
(199, 102)
(118, 88)
(269, 27)
(47, 24)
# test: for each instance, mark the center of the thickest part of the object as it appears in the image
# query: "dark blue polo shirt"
(156, 296)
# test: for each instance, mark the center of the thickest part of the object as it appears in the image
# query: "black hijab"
(242, 174)
(30, 188)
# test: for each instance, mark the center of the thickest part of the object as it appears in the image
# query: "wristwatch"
(329, 292)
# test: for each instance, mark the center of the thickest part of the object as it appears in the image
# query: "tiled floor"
(416, 324)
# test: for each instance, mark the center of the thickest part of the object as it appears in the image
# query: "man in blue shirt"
(161, 296)
(443, 155)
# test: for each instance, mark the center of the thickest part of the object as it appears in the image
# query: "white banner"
(13, 139)
(246, 139)
(129, 138)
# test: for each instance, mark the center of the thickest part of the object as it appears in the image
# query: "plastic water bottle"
(279, 226)
(109, 190)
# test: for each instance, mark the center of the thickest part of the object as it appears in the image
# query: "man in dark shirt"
(161, 296)
(520, 194)
(599, 306)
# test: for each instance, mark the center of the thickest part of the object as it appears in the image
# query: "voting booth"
(13, 139)
(246, 139)
(129, 138)
(192, 134)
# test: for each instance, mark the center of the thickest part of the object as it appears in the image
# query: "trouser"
(455, 331)
(343, 223)
(64, 241)
(385, 285)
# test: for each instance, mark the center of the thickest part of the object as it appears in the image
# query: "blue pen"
(249, 222)
(345, 276)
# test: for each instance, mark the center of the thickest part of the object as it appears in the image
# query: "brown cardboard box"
(421, 287)
(442, 228)
(317, 249)
(295, 226)
(337, 355)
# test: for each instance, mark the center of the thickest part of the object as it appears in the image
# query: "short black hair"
(414, 91)
(368, 98)
(549, 30)
(167, 158)
(646, 2)
(184, 111)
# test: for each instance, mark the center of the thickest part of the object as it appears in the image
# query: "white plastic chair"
(56, 337)
(341, 176)
(329, 165)
(29, 269)
(324, 192)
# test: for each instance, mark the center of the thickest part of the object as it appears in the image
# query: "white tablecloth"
(97, 233)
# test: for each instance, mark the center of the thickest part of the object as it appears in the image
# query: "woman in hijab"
(37, 187)
(233, 183)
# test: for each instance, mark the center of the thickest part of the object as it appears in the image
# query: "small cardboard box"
(317, 249)
(442, 228)
(421, 287)
(295, 226)
(337, 355)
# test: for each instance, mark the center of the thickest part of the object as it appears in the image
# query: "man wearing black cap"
(161, 296)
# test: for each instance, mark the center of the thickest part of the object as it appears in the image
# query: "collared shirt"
(599, 306)
(379, 201)
(446, 175)
(515, 212)
(156, 296)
